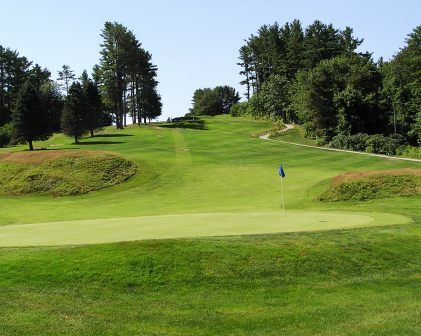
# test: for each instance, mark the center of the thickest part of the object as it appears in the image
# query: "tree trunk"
(92, 133)
(124, 109)
(133, 100)
(76, 140)
(31, 147)
(139, 117)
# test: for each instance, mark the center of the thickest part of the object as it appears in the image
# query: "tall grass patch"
(63, 176)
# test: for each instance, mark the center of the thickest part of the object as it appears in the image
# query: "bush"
(380, 144)
(6, 133)
(355, 142)
(410, 151)
(375, 143)
(239, 109)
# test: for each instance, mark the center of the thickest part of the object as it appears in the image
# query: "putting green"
(185, 225)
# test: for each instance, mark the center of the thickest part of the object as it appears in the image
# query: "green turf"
(186, 225)
(296, 135)
(343, 282)
(214, 167)
(211, 178)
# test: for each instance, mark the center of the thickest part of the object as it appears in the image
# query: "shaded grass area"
(66, 174)
(370, 187)
(190, 123)
(350, 282)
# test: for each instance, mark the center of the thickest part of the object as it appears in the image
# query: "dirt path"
(289, 126)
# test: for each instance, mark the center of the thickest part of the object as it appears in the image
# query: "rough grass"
(61, 174)
(373, 185)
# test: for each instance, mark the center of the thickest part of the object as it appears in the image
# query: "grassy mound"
(61, 173)
(374, 185)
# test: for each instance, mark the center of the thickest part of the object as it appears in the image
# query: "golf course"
(195, 241)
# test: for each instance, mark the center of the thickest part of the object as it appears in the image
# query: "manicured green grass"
(211, 178)
(220, 168)
(296, 135)
(186, 225)
(347, 282)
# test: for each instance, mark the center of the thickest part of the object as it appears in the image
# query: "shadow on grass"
(41, 149)
(197, 124)
(114, 135)
(98, 143)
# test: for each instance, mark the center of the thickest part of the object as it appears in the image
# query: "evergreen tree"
(126, 75)
(52, 104)
(112, 64)
(29, 119)
(66, 76)
(14, 71)
(74, 118)
(94, 109)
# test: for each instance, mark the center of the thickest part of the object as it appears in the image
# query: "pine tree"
(66, 76)
(29, 119)
(74, 118)
(52, 103)
(14, 71)
(94, 112)
(126, 75)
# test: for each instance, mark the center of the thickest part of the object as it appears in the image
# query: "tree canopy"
(316, 77)
(126, 76)
(214, 101)
(29, 118)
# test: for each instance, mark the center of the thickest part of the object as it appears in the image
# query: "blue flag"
(281, 172)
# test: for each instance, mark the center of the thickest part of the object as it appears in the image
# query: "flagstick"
(283, 204)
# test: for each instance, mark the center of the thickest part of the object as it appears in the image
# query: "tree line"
(218, 100)
(316, 77)
(33, 105)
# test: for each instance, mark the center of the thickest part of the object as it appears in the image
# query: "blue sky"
(194, 43)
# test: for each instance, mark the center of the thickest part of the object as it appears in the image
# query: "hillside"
(327, 268)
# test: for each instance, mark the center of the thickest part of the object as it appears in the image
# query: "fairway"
(190, 168)
(182, 226)
(195, 242)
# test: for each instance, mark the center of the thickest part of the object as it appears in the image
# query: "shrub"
(375, 143)
(6, 132)
(410, 151)
(239, 109)
(356, 142)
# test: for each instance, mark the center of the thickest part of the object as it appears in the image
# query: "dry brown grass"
(356, 175)
(41, 156)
